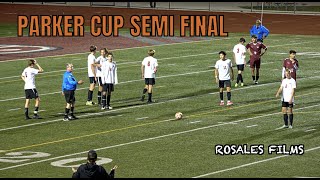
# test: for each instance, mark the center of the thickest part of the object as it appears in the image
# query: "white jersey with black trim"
(29, 74)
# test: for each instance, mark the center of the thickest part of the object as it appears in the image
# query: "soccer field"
(143, 139)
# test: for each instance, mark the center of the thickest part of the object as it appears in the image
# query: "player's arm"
(264, 51)
(252, 31)
(216, 75)
(234, 57)
(232, 75)
(279, 91)
(292, 95)
(248, 49)
(40, 70)
(265, 32)
(142, 71)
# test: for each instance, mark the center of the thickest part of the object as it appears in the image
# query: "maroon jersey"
(292, 66)
(255, 49)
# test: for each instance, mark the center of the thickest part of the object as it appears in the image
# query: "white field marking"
(192, 65)
(171, 64)
(249, 164)
(194, 122)
(121, 49)
(42, 110)
(45, 122)
(41, 48)
(252, 126)
(157, 137)
(309, 130)
(14, 109)
(59, 92)
(159, 86)
(142, 118)
(7, 50)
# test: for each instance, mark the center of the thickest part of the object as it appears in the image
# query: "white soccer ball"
(178, 115)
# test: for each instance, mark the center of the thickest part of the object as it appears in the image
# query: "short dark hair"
(92, 155)
(30, 62)
(151, 52)
(254, 36)
(93, 48)
(222, 52)
(242, 40)
(292, 51)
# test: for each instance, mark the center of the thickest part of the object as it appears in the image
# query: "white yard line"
(14, 109)
(249, 164)
(163, 136)
(194, 122)
(142, 118)
(310, 130)
(252, 126)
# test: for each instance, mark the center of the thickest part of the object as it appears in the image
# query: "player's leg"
(241, 69)
(238, 76)
(150, 86)
(68, 105)
(90, 91)
(290, 114)
(99, 90)
(26, 109)
(221, 87)
(145, 89)
(258, 63)
(110, 89)
(36, 106)
(104, 99)
(228, 85)
(72, 106)
(285, 115)
(252, 67)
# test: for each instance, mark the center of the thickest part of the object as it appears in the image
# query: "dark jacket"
(92, 171)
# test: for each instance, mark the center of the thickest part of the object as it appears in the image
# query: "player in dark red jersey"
(292, 64)
(255, 51)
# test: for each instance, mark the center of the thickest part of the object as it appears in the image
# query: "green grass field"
(143, 139)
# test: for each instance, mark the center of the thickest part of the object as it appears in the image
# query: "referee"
(69, 85)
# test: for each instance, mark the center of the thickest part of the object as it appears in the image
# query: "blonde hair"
(151, 52)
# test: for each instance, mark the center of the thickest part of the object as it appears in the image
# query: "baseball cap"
(92, 155)
(254, 36)
(242, 40)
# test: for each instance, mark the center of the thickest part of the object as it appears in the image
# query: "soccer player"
(102, 58)
(69, 85)
(28, 76)
(292, 64)
(109, 79)
(259, 30)
(239, 51)
(223, 68)
(149, 69)
(255, 51)
(287, 87)
(91, 74)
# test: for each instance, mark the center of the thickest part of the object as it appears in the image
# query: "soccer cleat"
(72, 117)
(90, 103)
(256, 82)
(236, 85)
(66, 118)
(242, 84)
(103, 108)
(27, 117)
(109, 107)
(36, 117)
(284, 126)
(222, 103)
(142, 97)
(290, 127)
(229, 103)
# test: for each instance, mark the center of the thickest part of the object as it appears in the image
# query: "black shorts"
(92, 80)
(224, 82)
(69, 96)
(107, 88)
(240, 67)
(286, 104)
(31, 93)
(149, 81)
(99, 81)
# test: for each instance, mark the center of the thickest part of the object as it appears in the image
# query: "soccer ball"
(178, 115)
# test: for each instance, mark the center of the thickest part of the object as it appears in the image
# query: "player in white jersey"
(28, 76)
(287, 87)
(149, 69)
(223, 69)
(102, 58)
(109, 78)
(239, 51)
(91, 74)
